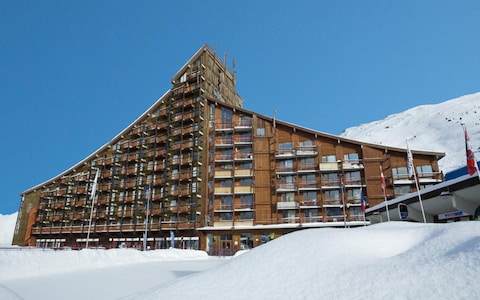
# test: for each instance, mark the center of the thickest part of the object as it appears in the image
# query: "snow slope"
(428, 127)
(395, 260)
(7, 227)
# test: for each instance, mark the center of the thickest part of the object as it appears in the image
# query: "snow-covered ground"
(395, 260)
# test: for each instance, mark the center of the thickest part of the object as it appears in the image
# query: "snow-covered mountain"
(433, 127)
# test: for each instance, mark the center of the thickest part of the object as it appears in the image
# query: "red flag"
(382, 180)
(471, 163)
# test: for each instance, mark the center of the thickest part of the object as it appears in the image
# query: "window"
(226, 116)
(246, 215)
(353, 177)
(400, 173)
(246, 182)
(310, 196)
(286, 165)
(287, 179)
(329, 158)
(332, 196)
(307, 163)
(246, 201)
(226, 183)
(351, 157)
(226, 216)
(311, 214)
(261, 131)
(285, 147)
(354, 194)
(425, 170)
(288, 197)
(227, 166)
(307, 143)
(244, 165)
(330, 179)
(226, 202)
(308, 179)
(260, 127)
(402, 190)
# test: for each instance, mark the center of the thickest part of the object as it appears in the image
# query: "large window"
(285, 147)
(286, 165)
(353, 177)
(425, 170)
(288, 197)
(226, 216)
(330, 179)
(351, 157)
(307, 163)
(329, 158)
(246, 215)
(246, 201)
(226, 202)
(400, 173)
(402, 190)
(332, 197)
(246, 182)
(226, 183)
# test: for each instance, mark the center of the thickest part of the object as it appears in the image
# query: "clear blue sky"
(75, 73)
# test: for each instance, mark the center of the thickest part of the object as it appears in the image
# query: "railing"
(288, 205)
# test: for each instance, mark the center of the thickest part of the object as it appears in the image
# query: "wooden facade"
(199, 169)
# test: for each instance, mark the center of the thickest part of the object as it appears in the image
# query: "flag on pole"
(410, 162)
(382, 179)
(471, 162)
(94, 187)
(363, 202)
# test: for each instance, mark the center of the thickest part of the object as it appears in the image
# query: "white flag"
(410, 162)
(94, 187)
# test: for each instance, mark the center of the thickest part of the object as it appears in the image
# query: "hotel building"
(198, 171)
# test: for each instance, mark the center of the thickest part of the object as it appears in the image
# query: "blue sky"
(75, 73)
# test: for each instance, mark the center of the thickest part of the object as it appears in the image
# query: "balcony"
(286, 187)
(284, 154)
(306, 151)
(288, 205)
(243, 156)
(243, 173)
(352, 165)
(308, 186)
(243, 124)
(223, 208)
(306, 204)
(243, 140)
(223, 157)
(329, 166)
(243, 190)
(223, 174)
(223, 190)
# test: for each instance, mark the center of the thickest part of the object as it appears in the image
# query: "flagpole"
(384, 193)
(411, 169)
(92, 198)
